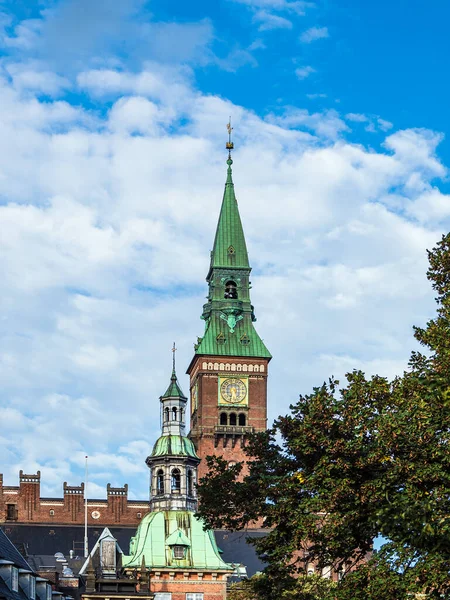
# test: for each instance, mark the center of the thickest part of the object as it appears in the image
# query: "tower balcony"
(232, 433)
(173, 501)
(233, 429)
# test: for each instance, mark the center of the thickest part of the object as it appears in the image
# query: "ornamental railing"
(233, 429)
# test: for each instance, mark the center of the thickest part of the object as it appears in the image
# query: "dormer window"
(230, 290)
(231, 250)
(179, 552)
(220, 339)
(245, 340)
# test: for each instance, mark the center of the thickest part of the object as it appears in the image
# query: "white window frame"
(194, 595)
(163, 596)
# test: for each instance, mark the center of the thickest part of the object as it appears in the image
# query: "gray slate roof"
(46, 540)
(9, 552)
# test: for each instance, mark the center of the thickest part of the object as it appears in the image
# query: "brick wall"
(24, 504)
(212, 585)
(209, 437)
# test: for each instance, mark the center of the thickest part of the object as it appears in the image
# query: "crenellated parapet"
(24, 504)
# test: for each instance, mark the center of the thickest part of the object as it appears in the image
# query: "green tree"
(348, 464)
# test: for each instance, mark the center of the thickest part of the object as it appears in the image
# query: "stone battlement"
(24, 504)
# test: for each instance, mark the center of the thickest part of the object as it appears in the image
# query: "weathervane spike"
(174, 349)
(229, 145)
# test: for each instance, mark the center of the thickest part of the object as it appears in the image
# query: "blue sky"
(112, 164)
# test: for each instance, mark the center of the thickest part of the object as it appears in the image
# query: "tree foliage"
(349, 464)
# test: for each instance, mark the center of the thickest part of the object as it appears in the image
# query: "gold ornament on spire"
(229, 144)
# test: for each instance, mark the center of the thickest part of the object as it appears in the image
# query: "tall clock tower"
(228, 373)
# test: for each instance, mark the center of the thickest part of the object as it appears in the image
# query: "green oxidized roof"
(178, 538)
(158, 531)
(174, 445)
(232, 345)
(229, 329)
(229, 232)
(174, 390)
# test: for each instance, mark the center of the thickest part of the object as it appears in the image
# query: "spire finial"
(174, 349)
(229, 145)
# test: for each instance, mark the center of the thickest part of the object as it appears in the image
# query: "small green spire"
(174, 390)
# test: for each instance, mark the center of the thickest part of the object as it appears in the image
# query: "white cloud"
(257, 44)
(316, 96)
(35, 76)
(327, 124)
(268, 21)
(430, 207)
(236, 59)
(374, 123)
(107, 224)
(295, 6)
(356, 117)
(314, 33)
(384, 125)
(304, 72)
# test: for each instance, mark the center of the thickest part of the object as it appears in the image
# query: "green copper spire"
(228, 313)
(174, 390)
(230, 249)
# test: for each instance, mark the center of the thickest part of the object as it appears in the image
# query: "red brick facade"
(208, 434)
(212, 585)
(23, 504)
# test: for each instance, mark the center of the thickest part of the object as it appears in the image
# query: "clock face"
(95, 514)
(233, 391)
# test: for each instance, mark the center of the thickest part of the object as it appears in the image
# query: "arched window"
(230, 290)
(176, 480)
(166, 414)
(242, 420)
(160, 482)
(223, 418)
(232, 419)
(181, 415)
(174, 413)
(190, 483)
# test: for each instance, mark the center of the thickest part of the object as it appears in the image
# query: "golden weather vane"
(229, 144)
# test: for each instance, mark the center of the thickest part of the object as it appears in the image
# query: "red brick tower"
(228, 373)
